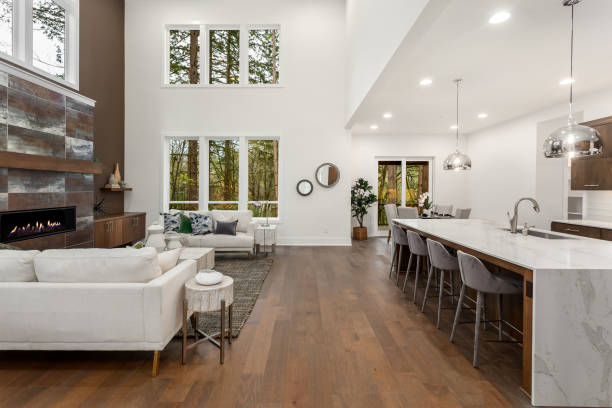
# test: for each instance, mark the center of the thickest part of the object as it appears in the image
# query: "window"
(263, 56)
(222, 55)
(6, 26)
(389, 187)
(184, 174)
(417, 181)
(45, 42)
(184, 57)
(237, 173)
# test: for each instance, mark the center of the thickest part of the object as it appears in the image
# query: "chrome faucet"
(514, 219)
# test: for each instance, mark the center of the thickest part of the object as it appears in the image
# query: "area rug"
(248, 276)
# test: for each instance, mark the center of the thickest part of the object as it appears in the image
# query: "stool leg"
(222, 337)
(479, 301)
(499, 314)
(231, 313)
(398, 263)
(458, 312)
(431, 270)
(452, 288)
(416, 282)
(408, 270)
(392, 259)
(484, 311)
(441, 291)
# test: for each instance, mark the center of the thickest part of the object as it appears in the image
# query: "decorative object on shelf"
(117, 174)
(122, 184)
(327, 175)
(173, 241)
(457, 160)
(362, 199)
(424, 204)
(155, 238)
(304, 187)
(111, 181)
(574, 139)
(208, 277)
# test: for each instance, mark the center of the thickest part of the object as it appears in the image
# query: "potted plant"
(362, 199)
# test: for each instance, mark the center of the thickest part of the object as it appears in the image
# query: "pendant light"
(457, 160)
(574, 139)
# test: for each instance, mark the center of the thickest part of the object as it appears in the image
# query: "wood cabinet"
(595, 173)
(581, 230)
(115, 230)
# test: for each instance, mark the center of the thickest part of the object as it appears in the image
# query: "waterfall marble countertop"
(588, 223)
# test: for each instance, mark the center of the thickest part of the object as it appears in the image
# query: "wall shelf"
(45, 163)
(119, 189)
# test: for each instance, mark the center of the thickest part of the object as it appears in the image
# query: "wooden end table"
(201, 299)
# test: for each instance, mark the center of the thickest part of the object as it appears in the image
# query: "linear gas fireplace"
(27, 224)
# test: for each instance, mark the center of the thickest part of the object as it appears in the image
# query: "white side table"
(265, 238)
(200, 299)
(155, 238)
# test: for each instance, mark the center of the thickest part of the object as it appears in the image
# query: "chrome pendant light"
(574, 139)
(457, 160)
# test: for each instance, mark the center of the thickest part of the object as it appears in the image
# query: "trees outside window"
(224, 56)
(417, 181)
(263, 56)
(49, 35)
(6, 26)
(184, 174)
(223, 174)
(263, 177)
(389, 187)
(184, 56)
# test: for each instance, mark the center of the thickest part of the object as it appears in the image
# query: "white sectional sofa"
(90, 299)
(243, 241)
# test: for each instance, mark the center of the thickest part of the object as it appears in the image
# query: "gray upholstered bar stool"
(476, 276)
(399, 239)
(440, 259)
(418, 249)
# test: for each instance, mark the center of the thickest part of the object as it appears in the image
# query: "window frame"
(204, 51)
(243, 169)
(23, 41)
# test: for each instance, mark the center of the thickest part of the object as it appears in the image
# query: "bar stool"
(418, 248)
(476, 276)
(399, 239)
(440, 259)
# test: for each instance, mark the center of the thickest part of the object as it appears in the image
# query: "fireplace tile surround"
(41, 121)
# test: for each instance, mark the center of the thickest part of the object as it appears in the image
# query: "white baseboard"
(313, 241)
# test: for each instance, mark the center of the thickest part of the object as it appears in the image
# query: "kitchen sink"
(542, 234)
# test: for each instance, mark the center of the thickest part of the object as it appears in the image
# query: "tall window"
(46, 41)
(263, 177)
(223, 174)
(184, 174)
(224, 56)
(6, 26)
(263, 56)
(184, 56)
(417, 181)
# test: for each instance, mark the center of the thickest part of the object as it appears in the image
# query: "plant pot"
(360, 233)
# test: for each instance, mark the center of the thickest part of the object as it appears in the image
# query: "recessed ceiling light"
(387, 115)
(453, 127)
(482, 115)
(499, 17)
(373, 127)
(426, 82)
(566, 81)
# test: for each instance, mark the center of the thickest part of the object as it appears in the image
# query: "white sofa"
(243, 241)
(90, 299)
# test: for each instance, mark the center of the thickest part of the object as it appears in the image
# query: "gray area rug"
(248, 278)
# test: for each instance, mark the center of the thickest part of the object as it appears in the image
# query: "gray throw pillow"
(226, 228)
(172, 222)
(201, 224)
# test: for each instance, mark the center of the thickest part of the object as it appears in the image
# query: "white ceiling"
(509, 69)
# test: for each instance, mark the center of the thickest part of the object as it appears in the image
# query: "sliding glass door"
(389, 187)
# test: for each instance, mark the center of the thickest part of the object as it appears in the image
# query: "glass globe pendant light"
(457, 160)
(572, 140)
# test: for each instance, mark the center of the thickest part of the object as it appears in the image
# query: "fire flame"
(38, 227)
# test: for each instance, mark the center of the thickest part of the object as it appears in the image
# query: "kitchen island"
(567, 305)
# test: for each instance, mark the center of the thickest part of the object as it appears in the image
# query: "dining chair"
(400, 240)
(391, 213)
(408, 212)
(463, 213)
(443, 209)
(440, 259)
(418, 248)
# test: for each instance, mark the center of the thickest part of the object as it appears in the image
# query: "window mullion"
(243, 173)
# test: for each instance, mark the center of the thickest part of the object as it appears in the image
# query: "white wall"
(375, 30)
(307, 111)
(449, 187)
(505, 157)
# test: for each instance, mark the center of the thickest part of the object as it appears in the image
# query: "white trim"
(28, 76)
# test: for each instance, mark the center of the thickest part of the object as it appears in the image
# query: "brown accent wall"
(101, 78)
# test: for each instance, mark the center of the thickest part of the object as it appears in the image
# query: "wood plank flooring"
(329, 330)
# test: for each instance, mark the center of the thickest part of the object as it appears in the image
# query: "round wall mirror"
(327, 174)
(304, 187)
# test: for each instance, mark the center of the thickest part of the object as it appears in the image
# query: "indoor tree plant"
(362, 199)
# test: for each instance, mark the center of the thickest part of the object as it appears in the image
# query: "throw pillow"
(226, 228)
(168, 259)
(185, 225)
(172, 222)
(201, 224)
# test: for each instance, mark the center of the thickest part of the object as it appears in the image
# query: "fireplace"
(27, 224)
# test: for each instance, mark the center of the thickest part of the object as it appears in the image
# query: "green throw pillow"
(185, 225)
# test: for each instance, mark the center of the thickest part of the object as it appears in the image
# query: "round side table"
(201, 299)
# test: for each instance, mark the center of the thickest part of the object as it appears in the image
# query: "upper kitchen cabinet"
(595, 173)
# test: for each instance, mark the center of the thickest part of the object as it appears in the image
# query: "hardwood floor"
(329, 330)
